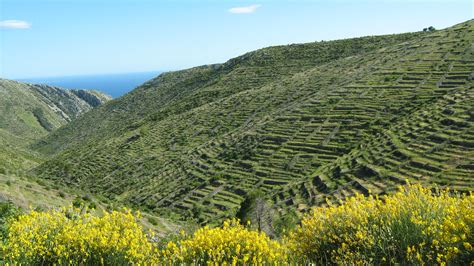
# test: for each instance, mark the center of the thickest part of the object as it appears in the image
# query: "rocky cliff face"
(93, 98)
(69, 103)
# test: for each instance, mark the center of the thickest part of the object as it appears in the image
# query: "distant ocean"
(114, 85)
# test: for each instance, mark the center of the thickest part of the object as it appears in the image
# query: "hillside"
(173, 93)
(299, 122)
(29, 112)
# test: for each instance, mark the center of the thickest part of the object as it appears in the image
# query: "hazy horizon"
(113, 84)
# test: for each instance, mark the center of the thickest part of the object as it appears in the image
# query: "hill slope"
(299, 122)
(29, 112)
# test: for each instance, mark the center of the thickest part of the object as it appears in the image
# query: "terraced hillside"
(29, 112)
(300, 122)
(177, 92)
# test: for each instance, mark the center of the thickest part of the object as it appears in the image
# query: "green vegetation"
(8, 213)
(300, 123)
(264, 137)
(29, 112)
(415, 226)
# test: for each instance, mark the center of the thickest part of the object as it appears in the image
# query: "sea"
(114, 85)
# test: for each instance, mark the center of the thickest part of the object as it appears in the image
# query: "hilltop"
(300, 123)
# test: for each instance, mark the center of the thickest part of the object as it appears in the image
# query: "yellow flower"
(362, 230)
(232, 243)
(467, 246)
(66, 235)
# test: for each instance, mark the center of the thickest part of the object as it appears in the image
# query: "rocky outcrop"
(93, 98)
(69, 103)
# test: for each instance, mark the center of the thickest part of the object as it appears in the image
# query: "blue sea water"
(114, 85)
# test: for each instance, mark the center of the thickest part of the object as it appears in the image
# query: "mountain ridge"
(190, 78)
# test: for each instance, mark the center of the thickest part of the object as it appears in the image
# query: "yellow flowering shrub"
(68, 237)
(413, 226)
(231, 244)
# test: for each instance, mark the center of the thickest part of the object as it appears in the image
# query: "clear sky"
(75, 37)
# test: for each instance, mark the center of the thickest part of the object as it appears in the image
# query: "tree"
(430, 29)
(256, 210)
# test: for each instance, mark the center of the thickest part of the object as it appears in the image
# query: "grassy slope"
(29, 192)
(299, 122)
(21, 108)
(29, 112)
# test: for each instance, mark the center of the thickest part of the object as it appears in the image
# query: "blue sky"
(75, 37)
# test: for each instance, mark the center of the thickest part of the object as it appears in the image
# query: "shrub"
(152, 220)
(231, 243)
(92, 206)
(413, 226)
(8, 212)
(78, 203)
(67, 237)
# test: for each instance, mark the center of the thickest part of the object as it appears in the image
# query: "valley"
(268, 137)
